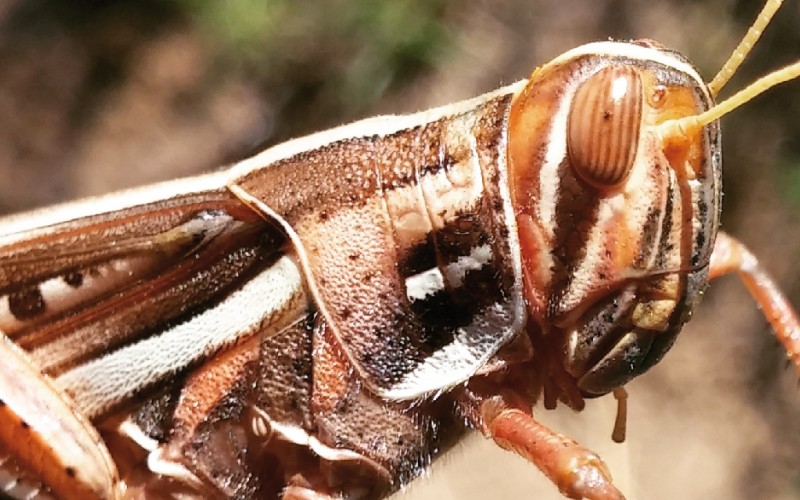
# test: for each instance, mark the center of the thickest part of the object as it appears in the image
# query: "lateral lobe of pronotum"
(408, 246)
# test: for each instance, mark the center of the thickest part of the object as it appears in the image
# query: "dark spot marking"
(73, 279)
(459, 237)
(25, 425)
(70, 471)
(301, 366)
(323, 216)
(445, 164)
(439, 310)
(607, 115)
(366, 358)
(354, 256)
(26, 303)
(419, 258)
(198, 238)
(346, 313)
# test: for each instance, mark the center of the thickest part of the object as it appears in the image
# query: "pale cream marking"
(429, 282)
(17, 487)
(102, 382)
(424, 284)
(299, 436)
(133, 432)
(158, 464)
(630, 51)
(477, 258)
(58, 296)
(456, 359)
(288, 432)
(259, 425)
(336, 454)
(443, 200)
(510, 221)
(635, 190)
(549, 182)
(410, 225)
(407, 213)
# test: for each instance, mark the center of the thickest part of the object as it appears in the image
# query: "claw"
(585, 475)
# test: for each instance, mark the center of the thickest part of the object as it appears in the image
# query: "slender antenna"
(680, 127)
(744, 47)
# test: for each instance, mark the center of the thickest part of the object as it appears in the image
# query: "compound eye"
(603, 126)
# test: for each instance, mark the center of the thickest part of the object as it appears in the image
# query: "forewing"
(116, 303)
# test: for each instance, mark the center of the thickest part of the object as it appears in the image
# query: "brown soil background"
(99, 96)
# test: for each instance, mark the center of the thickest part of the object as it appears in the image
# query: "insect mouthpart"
(624, 334)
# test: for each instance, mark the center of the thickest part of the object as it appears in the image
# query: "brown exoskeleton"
(324, 318)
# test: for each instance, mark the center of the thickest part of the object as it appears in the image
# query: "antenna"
(744, 47)
(680, 127)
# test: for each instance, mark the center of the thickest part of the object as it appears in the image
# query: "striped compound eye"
(603, 127)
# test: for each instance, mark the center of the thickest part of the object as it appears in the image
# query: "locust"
(326, 318)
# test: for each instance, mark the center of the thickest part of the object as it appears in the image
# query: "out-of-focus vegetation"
(101, 95)
(326, 60)
(282, 67)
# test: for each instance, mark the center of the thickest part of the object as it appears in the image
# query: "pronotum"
(73, 471)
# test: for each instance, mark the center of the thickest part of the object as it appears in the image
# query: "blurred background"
(102, 95)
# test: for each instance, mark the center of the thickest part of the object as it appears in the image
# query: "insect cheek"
(625, 334)
(605, 120)
(645, 342)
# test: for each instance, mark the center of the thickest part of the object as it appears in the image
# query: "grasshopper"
(323, 319)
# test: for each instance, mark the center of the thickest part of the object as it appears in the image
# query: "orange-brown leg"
(508, 420)
(730, 255)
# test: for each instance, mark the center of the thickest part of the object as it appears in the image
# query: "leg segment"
(507, 419)
(42, 433)
(730, 255)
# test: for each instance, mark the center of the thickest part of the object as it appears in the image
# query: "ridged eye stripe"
(604, 124)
